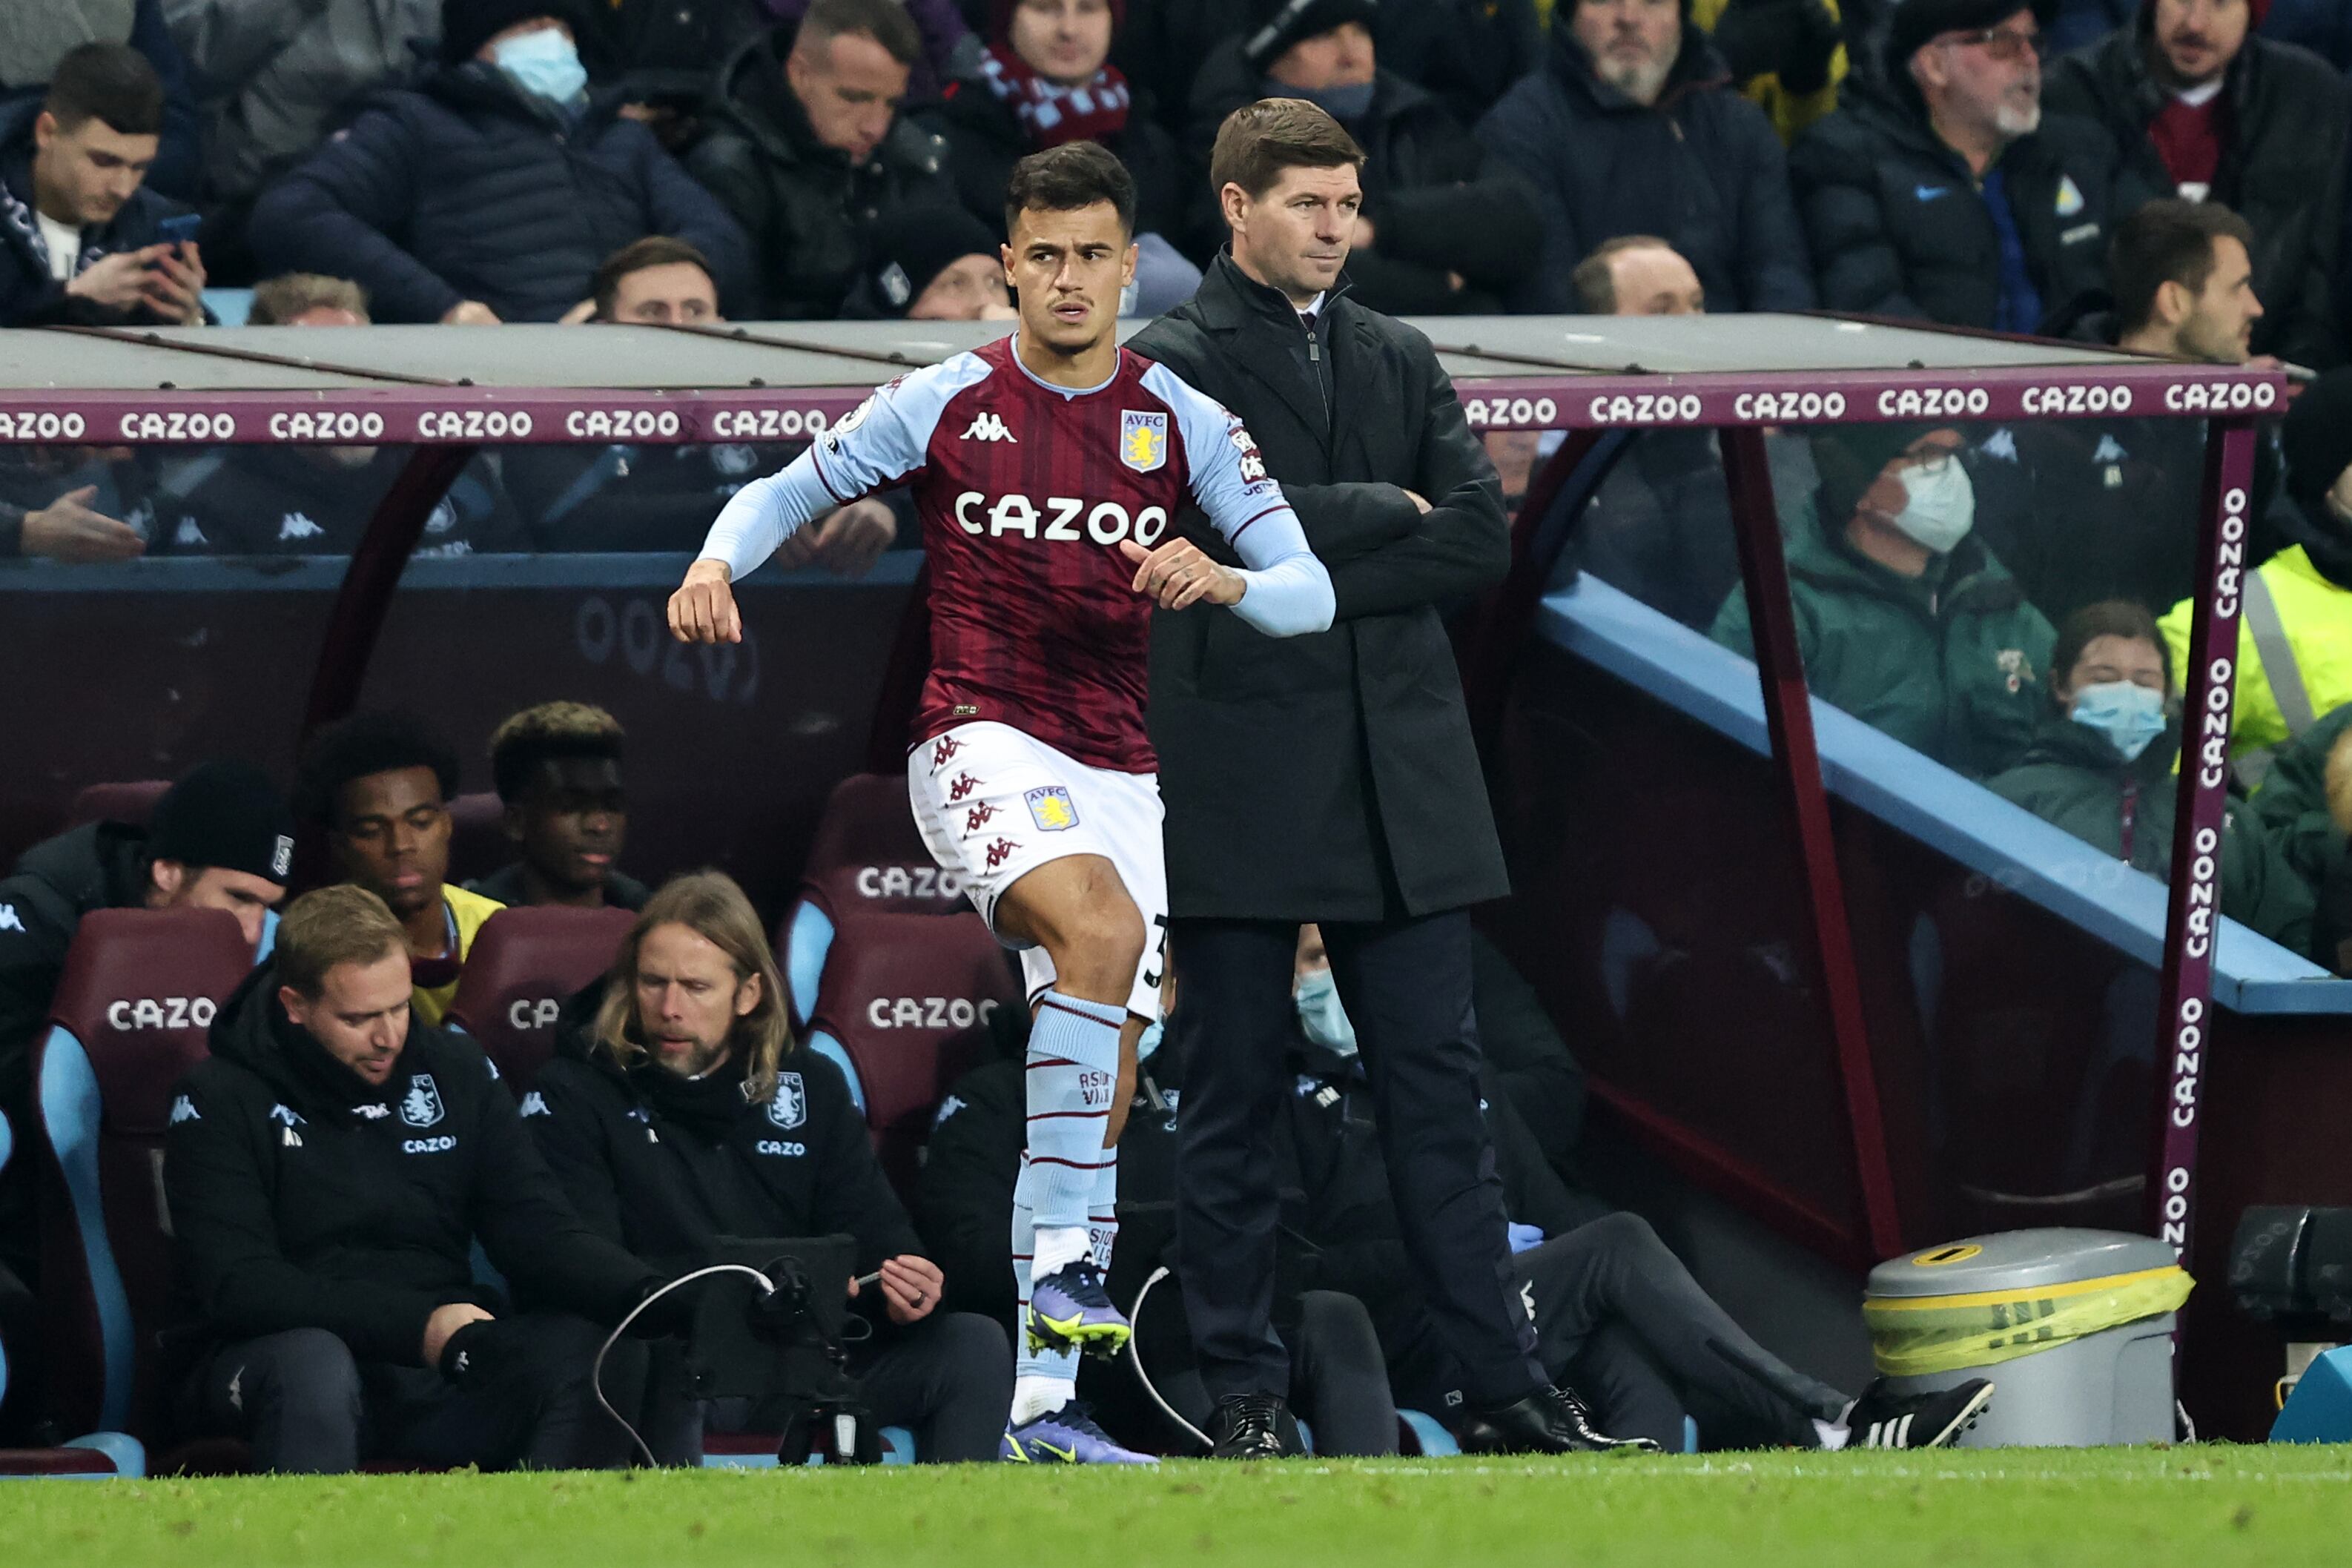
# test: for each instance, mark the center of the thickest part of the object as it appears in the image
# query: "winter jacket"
(1950, 663)
(984, 139)
(296, 500)
(469, 188)
(29, 296)
(1437, 201)
(101, 865)
(2309, 829)
(274, 77)
(1898, 226)
(301, 1196)
(1659, 528)
(2287, 111)
(665, 1166)
(2073, 778)
(2316, 615)
(805, 208)
(1702, 169)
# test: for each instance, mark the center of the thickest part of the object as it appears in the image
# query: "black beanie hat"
(225, 813)
(1850, 457)
(913, 246)
(1914, 22)
(2316, 437)
(1278, 24)
(468, 24)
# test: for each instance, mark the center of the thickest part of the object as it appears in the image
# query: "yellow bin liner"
(1915, 1336)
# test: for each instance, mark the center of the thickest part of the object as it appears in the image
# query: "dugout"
(1859, 997)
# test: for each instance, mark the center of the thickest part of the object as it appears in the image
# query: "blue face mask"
(1342, 103)
(1148, 1040)
(1321, 1016)
(543, 64)
(2130, 715)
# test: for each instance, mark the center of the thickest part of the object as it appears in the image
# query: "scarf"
(1051, 113)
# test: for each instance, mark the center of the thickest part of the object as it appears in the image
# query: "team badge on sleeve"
(1051, 809)
(1142, 440)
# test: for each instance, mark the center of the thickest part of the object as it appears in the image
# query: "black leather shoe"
(1254, 1427)
(1548, 1421)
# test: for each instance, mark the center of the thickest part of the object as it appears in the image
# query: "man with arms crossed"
(1048, 469)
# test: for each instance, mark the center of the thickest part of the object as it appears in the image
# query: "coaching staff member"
(1332, 780)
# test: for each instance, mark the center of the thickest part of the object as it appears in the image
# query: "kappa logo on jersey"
(371, 1112)
(296, 526)
(1142, 440)
(979, 817)
(787, 1108)
(421, 1106)
(185, 1110)
(948, 746)
(990, 427)
(1000, 852)
(964, 784)
(9, 919)
(1051, 808)
(535, 1105)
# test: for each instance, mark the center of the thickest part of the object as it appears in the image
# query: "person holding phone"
(81, 238)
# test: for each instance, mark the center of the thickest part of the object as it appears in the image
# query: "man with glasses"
(1944, 191)
(2205, 110)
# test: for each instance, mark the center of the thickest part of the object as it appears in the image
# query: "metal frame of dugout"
(449, 391)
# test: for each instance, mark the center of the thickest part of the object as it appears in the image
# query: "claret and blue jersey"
(1026, 491)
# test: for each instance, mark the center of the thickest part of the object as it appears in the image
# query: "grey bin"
(2111, 1386)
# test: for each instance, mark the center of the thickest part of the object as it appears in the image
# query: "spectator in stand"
(949, 46)
(219, 839)
(490, 191)
(1631, 127)
(2102, 766)
(2301, 604)
(679, 1111)
(1904, 619)
(272, 78)
(2115, 514)
(557, 770)
(1788, 55)
(1945, 192)
(329, 1170)
(380, 784)
(304, 499)
(2200, 107)
(82, 240)
(2306, 805)
(808, 149)
(39, 34)
(1442, 229)
(932, 262)
(662, 497)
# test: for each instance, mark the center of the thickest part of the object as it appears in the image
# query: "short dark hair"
(2108, 618)
(884, 21)
(1259, 140)
(654, 250)
(363, 745)
(549, 731)
(1596, 280)
(1066, 178)
(112, 82)
(2167, 241)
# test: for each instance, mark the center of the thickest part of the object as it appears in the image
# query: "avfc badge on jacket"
(787, 1108)
(421, 1106)
(1142, 440)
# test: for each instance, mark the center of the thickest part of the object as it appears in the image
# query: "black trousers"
(307, 1406)
(1339, 1382)
(1618, 1317)
(1406, 986)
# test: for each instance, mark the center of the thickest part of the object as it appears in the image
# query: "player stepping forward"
(1047, 469)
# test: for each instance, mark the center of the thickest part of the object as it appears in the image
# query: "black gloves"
(476, 1353)
(673, 1314)
(1793, 39)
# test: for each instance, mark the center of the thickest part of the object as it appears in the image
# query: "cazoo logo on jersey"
(926, 1012)
(1058, 518)
(161, 1012)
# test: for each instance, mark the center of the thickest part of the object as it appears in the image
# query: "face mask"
(1148, 1040)
(543, 64)
(1939, 504)
(1322, 1017)
(2130, 715)
(1342, 103)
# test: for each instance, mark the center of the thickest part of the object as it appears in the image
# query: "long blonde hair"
(709, 905)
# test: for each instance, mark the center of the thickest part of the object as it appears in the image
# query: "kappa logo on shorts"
(1000, 852)
(979, 817)
(1142, 440)
(947, 747)
(964, 785)
(1051, 809)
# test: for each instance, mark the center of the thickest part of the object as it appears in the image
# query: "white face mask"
(1940, 504)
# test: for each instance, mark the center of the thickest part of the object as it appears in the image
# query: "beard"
(1640, 80)
(2013, 120)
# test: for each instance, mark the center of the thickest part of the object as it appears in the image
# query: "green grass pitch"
(2207, 1506)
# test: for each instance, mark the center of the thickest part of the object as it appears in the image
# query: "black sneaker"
(1883, 1418)
(1551, 1420)
(1254, 1427)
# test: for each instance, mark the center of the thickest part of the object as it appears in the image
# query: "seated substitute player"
(1048, 468)
(557, 770)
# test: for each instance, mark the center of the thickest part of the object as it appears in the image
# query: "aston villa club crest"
(1142, 440)
(421, 1106)
(787, 1108)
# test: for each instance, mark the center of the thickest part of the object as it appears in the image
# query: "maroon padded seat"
(132, 801)
(131, 1016)
(478, 844)
(523, 964)
(55, 1463)
(869, 859)
(907, 997)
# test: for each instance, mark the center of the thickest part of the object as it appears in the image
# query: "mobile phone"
(180, 228)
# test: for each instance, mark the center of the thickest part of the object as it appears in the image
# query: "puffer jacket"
(469, 188)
